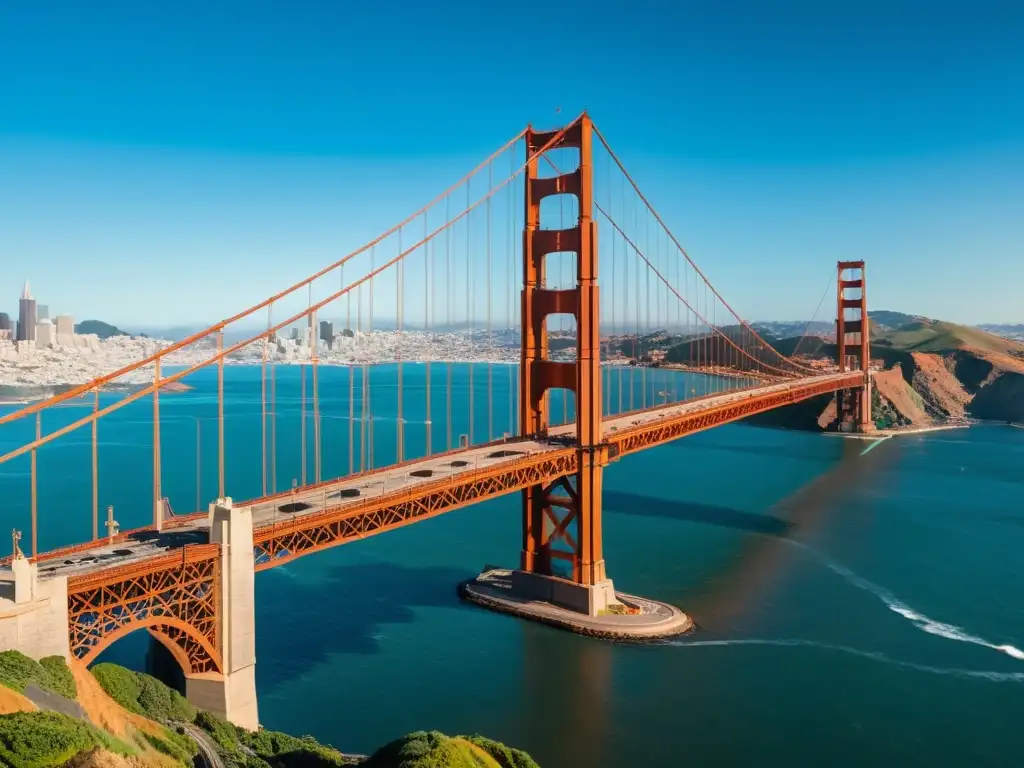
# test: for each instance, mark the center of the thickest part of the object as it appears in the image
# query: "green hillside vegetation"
(940, 336)
(98, 327)
(17, 671)
(49, 739)
(44, 739)
(143, 694)
(430, 749)
(935, 336)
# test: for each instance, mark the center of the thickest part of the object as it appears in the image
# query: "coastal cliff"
(56, 716)
(933, 373)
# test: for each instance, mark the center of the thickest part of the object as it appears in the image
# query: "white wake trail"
(894, 604)
(996, 677)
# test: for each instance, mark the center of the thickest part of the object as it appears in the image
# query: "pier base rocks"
(596, 611)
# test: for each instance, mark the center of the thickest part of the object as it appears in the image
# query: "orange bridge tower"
(562, 520)
(853, 346)
(561, 577)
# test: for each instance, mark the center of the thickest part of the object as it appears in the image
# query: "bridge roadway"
(357, 506)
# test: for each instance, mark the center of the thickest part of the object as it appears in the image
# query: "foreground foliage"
(50, 740)
(50, 674)
(267, 749)
(431, 749)
(45, 739)
(143, 694)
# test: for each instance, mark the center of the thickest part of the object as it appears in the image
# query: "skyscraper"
(26, 316)
(327, 331)
(42, 312)
(5, 321)
(44, 333)
(64, 327)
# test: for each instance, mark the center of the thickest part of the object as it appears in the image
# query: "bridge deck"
(336, 496)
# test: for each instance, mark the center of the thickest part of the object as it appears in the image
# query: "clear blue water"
(851, 602)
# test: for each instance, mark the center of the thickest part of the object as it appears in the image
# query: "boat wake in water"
(922, 622)
(996, 677)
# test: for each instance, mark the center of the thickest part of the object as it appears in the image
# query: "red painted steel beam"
(281, 543)
(643, 436)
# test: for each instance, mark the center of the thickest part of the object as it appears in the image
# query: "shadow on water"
(567, 684)
(346, 609)
(628, 503)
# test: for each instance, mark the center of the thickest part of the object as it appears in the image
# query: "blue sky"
(174, 165)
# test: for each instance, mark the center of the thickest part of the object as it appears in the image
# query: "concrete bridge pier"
(232, 695)
(33, 613)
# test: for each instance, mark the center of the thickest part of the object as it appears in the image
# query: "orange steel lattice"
(643, 436)
(176, 597)
(277, 544)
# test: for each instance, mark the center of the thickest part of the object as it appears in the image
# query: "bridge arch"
(193, 651)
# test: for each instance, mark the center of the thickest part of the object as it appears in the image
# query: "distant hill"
(924, 335)
(101, 329)
(893, 320)
(935, 371)
(784, 328)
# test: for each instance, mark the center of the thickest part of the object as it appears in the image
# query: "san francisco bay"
(856, 602)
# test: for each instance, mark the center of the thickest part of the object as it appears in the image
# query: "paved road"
(208, 756)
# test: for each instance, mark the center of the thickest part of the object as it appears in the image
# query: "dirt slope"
(107, 714)
(12, 701)
(900, 397)
(935, 381)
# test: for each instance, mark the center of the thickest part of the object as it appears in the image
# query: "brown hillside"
(952, 372)
(107, 714)
(900, 396)
(12, 701)
(935, 381)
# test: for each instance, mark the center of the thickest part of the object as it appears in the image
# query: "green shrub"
(272, 749)
(51, 674)
(430, 750)
(60, 679)
(161, 702)
(120, 684)
(222, 732)
(506, 756)
(43, 739)
(226, 737)
(178, 746)
(143, 694)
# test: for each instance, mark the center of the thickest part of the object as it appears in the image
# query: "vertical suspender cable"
(263, 407)
(490, 298)
(470, 307)
(35, 486)
(448, 314)
(368, 388)
(220, 415)
(96, 467)
(511, 287)
(362, 383)
(273, 409)
(199, 466)
(351, 379)
(428, 307)
(157, 512)
(399, 287)
(302, 421)
(314, 352)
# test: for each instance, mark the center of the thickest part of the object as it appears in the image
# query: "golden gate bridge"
(515, 248)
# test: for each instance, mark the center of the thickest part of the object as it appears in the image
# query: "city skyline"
(770, 146)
